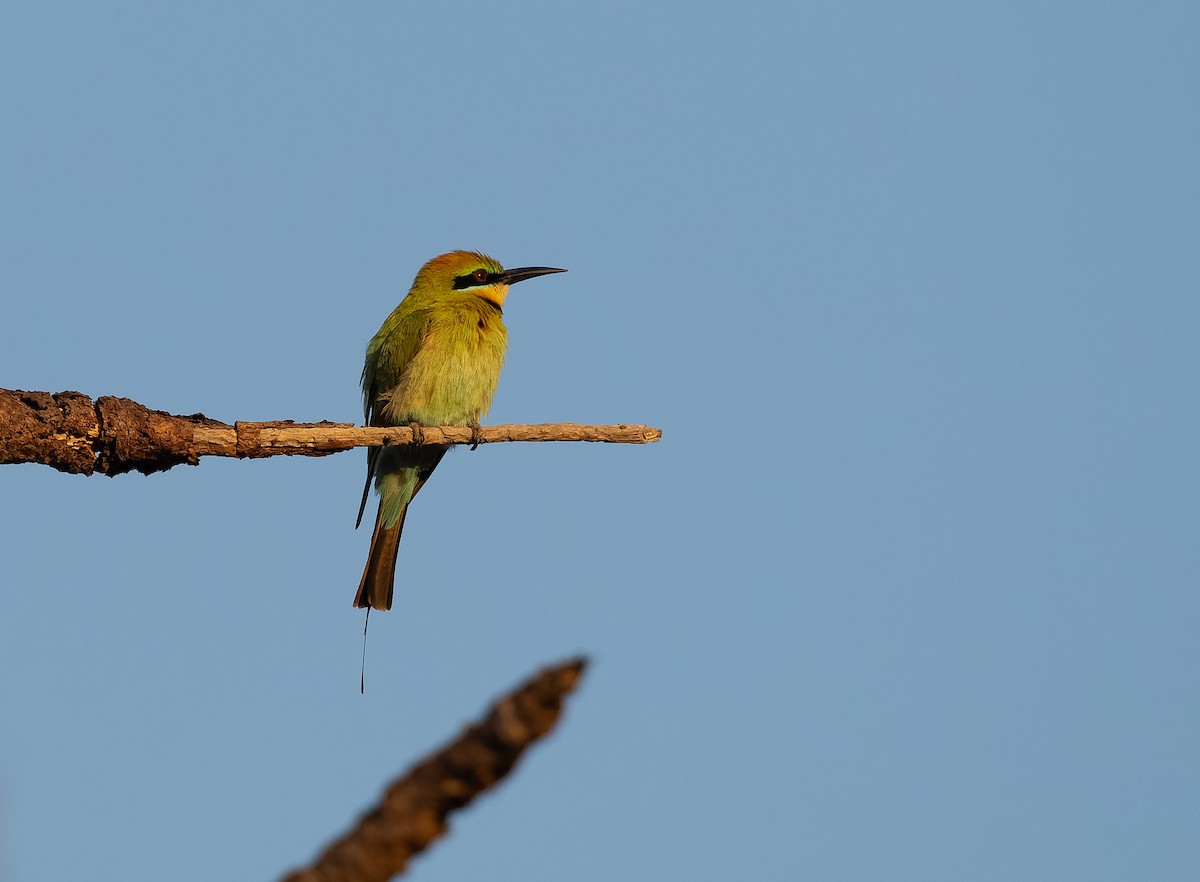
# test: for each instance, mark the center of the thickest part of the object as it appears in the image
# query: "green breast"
(452, 377)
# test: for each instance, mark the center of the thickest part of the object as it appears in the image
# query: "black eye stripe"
(472, 279)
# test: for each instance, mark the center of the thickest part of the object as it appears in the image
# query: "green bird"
(436, 362)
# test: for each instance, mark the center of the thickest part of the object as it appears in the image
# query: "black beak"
(520, 274)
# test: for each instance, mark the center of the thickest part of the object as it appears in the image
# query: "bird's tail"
(375, 589)
(399, 472)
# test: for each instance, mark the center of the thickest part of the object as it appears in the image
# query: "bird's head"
(473, 273)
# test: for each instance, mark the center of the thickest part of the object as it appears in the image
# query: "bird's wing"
(388, 355)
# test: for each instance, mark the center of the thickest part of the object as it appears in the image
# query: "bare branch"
(414, 809)
(72, 433)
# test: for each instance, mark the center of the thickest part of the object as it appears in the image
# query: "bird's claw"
(418, 434)
(476, 435)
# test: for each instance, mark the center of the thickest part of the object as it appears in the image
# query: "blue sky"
(907, 591)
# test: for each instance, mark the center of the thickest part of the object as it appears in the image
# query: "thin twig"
(72, 433)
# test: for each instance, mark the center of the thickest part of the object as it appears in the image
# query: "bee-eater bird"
(435, 362)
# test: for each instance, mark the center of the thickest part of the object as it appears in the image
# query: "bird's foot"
(476, 434)
(418, 433)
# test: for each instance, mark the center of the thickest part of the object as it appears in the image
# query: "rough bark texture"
(56, 430)
(414, 810)
(72, 433)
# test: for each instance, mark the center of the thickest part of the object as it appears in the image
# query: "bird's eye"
(480, 275)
